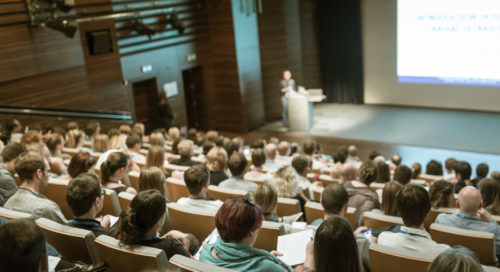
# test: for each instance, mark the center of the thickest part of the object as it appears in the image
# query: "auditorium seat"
(481, 243)
(429, 178)
(387, 259)
(11, 214)
(311, 177)
(419, 182)
(313, 211)
(267, 238)
(327, 180)
(138, 258)
(74, 244)
(433, 214)
(56, 191)
(133, 177)
(124, 199)
(377, 185)
(317, 193)
(179, 263)
(288, 206)
(111, 204)
(216, 192)
(176, 189)
(199, 222)
(257, 180)
(374, 220)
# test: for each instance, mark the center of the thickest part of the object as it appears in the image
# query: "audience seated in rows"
(270, 163)
(217, 164)
(389, 199)
(81, 162)
(456, 259)
(434, 168)
(133, 143)
(441, 194)
(490, 193)
(197, 181)
(352, 156)
(402, 174)
(449, 166)
(238, 165)
(302, 166)
(185, 149)
(238, 222)
(156, 158)
(463, 172)
(113, 170)
(416, 169)
(153, 178)
(482, 170)
(55, 143)
(101, 143)
(33, 170)
(471, 215)
(8, 185)
(257, 171)
(413, 204)
(383, 172)
(283, 156)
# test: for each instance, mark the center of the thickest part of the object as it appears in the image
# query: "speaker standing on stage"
(287, 84)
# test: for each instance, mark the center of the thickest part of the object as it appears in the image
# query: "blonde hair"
(217, 159)
(212, 136)
(74, 138)
(173, 133)
(101, 143)
(285, 181)
(266, 197)
(152, 178)
(185, 147)
(157, 139)
(118, 141)
(156, 156)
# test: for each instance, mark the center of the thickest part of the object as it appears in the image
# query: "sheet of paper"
(53, 261)
(113, 220)
(293, 246)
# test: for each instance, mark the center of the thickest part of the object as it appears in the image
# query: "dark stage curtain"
(341, 50)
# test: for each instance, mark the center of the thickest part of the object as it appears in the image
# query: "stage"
(420, 134)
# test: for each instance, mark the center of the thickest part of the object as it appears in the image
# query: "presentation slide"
(448, 42)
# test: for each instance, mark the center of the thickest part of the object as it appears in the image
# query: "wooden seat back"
(56, 191)
(199, 222)
(288, 206)
(216, 192)
(176, 189)
(374, 220)
(387, 259)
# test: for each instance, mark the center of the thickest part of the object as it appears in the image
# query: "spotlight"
(177, 23)
(62, 26)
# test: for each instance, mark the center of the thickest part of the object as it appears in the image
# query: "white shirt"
(200, 203)
(412, 239)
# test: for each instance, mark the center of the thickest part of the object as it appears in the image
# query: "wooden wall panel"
(310, 44)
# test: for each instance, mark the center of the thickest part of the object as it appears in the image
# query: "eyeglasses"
(103, 192)
(249, 202)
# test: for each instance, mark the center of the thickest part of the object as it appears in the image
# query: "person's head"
(133, 142)
(185, 148)
(238, 220)
(9, 155)
(413, 204)
(490, 190)
(340, 155)
(212, 136)
(287, 75)
(237, 164)
(138, 129)
(389, 198)
(217, 159)
(335, 247)
(374, 154)
(84, 193)
(175, 145)
(81, 162)
(270, 151)
(115, 165)
(258, 157)
(456, 259)
(334, 199)
(469, 200)
(309, 147)
(449, 164)
(196, 179)
(31, 137)
(396, 159)
(207, 146)
(54, 142)
(284, 148)
(302, 165)
(368, 172)
(33, 168)
(23, 246)
(146, 214)
(152, 178)
(416, 169)
(101, 143)
(75, 138)
(157, 138)
(156, 156)
(402, 174)
(434, 168)
(12, 126)
(384, 173)
(348, 172)
(231, 146)
(482, 170)
(72, 125)
(352, 151)
(285, 181)
(173, 133)
(441, 194)
(93, 128)
(266, 197)
(463, 170)
(125, 129)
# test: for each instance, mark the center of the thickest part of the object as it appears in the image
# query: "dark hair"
(80, 163)
(416, 169)
(81, 193)
(463, 168)
(434, 168)
(397, 160)
(374, 154)
(152, 178)
(299, 163)
(132, 140)
(456, 259)
(450, 163)
(309, 147)
(145, 210)
(196, 177)
(384, 173)
(207, 146)
(259, 143)
(368, 172)
(490, 193)
(23, 244)
(12, 151)
(52, 141)
(440, 192)
(334, 198)
(482, 170)
(175, 145)
(92, 127)
(402, 174)
(335, 247)
(340, 156)
(231, 146)
(389, 198)
(237, 218)
(413, 204)
(258, 157)
(237, 164)
(115, 161)
(28, 163)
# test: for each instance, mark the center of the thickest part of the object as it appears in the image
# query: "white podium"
(301, 108)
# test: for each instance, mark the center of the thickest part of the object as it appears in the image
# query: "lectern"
(301, 108)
